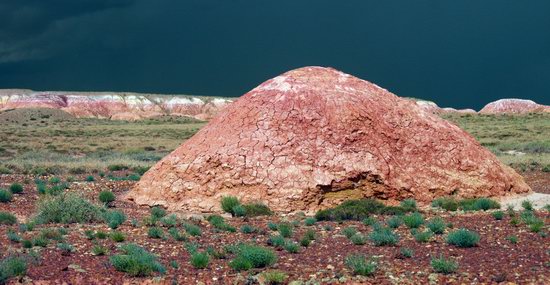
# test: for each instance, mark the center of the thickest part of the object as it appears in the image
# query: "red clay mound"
(514, 106)
(313, 137)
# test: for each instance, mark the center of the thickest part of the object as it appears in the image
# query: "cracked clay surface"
(313, 137)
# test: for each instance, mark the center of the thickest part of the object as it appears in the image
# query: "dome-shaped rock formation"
(313, 137)
(514, 106)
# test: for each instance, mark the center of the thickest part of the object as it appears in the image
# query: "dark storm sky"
(457, 53)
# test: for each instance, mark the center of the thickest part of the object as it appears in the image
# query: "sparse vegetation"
(11, 267)
(200, 260)
(383, 237)
(136, 261)
(437, 225)
(106, 197)
(443, 265)
(413, 220)
(7, 218)
(463, 238)
(359, 264)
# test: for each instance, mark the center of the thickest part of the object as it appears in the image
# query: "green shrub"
(257, 209)
(155, 232)
(423, 236)
(99, 250)
(101, 235)
(305, 242)
(11, 267)
(272, 226)
(369, 221)
(67, 208)
(219, 223)
(349, 231)
(486, 204)
(16, 188)
(527, 205)
(40, 241)
(157, 212)
(277, 241)
(106, 197)
(437, 225)
(351, 210)
(7, 218)
(274, 277)
(240, 264)
(359, 264)
(512, 239)
(174, 264)
(13, 236)
(247, 229)
(413, 220)
(408, 204)
(192, 230)
(90, 178)
(406, 252)
(446, 203)
(310, 221)
(228, 203)
(498, 215)
(177, 235)
(117, 167)
(54, 180)
(239, 211)
(5, 196)
(65, 248)
(463, 238)
(41, 188)
(169, 221)
(114, 218)
(394, 222)
(536, 225)
(383, 237)
(443, 265)
(26, 243)
(285, 229)
(258, 256)
(136, 261)
(358, 239)
(118, 236)
(200, 260)
(292, 247)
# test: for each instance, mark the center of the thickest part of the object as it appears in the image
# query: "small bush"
(292, 247)
(5, 196)
(101, 235)
(118, 236)
(358, 239)
(177, 235)
(247, 229)
(277, 241)
(535, 225)
(89, 234)
(443, 265)
(13, 236)
(351, 210)
(65, 248)
(498, 215)
(369, 221)
(394, 222)
(512, 239)
(446, 203)
(413, 220)
(98, 250)
(169, 221)
(7, 218)
(383, 237)
(238, 211)
(305, 242)
(12, 267)
(257, 209)
(423, 236)
(26, 243)
(117, 167)
(106, 197)
(90, 178)
(136, 261)
(240, 264)
(272, 226)
(360, 265)
(192, 230)
(40, 241)
(310, 234)
(408, 204)
(200, 260)
(406, 252)
(274, 277)
(258, 256)
(16, 188)
(67, 208)
(463, 238)
(219, 223)
(437, 225)
(285, 229)
(155, 232)
(486, 204)
(228, 203)
(114, 218)
(527, 205)
(41, 188)
(157, 212)
(310, 221)
(349, 231)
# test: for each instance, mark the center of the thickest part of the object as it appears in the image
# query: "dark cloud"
(457, 53)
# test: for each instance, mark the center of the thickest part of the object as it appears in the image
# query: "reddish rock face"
(116, 106)
(513, 106)
(313, 137)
